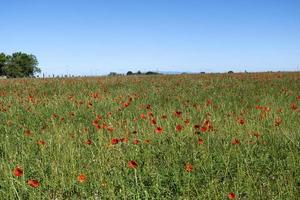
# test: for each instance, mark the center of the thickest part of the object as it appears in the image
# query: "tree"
(2, 63)
(21, 65)
(112, 74)
(129, 73)
(151, 73)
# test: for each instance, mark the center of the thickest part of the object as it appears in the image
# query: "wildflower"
(88, 142)
(110, 129)
(159, 130)
(203, 129)
(33, 183)
(231, 195)
(115, 141)
(196, 126)
(208, 102)
(136, 141)
(188, 167)
(90, 105)
(143, 116)
(132, 164)
(235, 141)
(18, 172)
(41, 142)
(147, 141)
(164, 117)
(178, 114)
(81, 178)
(153, 122)
(294, 106)
(200, 141)
(179, 127)
(27, 132)
(126, 104)
(241, 121)
(278, 121)
(125, 140)
(187, 122)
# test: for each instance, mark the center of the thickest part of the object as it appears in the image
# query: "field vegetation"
(208, 136)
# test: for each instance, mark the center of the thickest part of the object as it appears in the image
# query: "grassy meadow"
(208, 136)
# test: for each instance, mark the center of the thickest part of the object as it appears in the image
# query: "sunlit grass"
(220, 134)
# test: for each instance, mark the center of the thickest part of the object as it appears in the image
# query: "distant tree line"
(130, 73)
(18, 65)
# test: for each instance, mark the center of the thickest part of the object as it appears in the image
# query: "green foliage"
(129, 73)
(2, 63)
(18, 65)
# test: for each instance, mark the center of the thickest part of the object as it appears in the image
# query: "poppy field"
(208, 136)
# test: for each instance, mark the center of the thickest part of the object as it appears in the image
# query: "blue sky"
(92, 37)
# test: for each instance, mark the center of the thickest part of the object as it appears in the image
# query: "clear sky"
(99, 36)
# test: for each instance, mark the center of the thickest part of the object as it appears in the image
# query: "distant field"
(218, 136)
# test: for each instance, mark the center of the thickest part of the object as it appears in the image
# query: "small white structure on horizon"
(3, 77)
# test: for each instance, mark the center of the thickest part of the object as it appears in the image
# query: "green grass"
(57, 111)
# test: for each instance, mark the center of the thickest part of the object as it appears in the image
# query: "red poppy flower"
(95, 122)
(143, 116)
(187, 122)
(147, 141)
(132, 164)
(235, 141)
(178, 114)
(136, 141)
(41, 142)
(203, 129)
(98, 117)
(294, 106)
(31, 98)
(164, 117)
(95, 95)
(278, 121)
(115, 141)
(18, 172)
(33, 183)
(231, 195)
(81, 178)
(208, 102)
(298, 97)
(200, 141)
(27, 132)
(110, 129)
(153, 121)
(196, 126)
(159, 130)
(188, 167)
(97, 126)
(241, 121)
(90, 105)
(125, 140)
(126, 104)
(88, 142)
(150, 114)
(179, 127)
